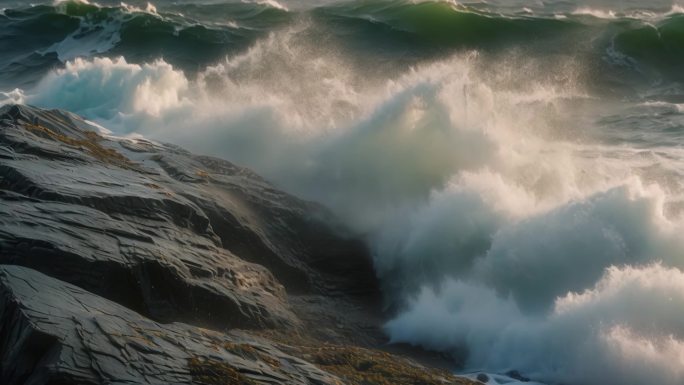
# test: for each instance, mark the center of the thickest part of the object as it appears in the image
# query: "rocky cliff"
(130, 261)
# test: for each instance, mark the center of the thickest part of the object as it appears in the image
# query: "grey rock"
(171, 235)
(514, 374)
(52, 332)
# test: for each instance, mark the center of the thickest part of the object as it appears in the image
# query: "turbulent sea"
(516, 167)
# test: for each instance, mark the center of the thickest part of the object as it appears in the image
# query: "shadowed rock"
(56, 333)
(52, 332)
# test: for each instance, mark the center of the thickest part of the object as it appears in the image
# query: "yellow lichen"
(249, 351)
(91, 145)
(361, 366)
(210, 372)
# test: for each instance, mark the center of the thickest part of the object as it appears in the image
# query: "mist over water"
(521, 194)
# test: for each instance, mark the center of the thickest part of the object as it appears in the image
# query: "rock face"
(57, 333)
(174, 236)
(124, 261)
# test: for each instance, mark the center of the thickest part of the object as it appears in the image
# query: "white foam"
(624, 329)
(598, 13)
(645, 15)
(61, 5)
(15, 96)
(106, 88)
(270, 3)
(88, 40)
(499, 379)
(149, 8)
(58, 2)
(674, 107)
(96, 36)
(675, 10)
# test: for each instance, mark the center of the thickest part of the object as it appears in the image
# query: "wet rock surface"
(130, 261)
(57, 333)
(169, 234)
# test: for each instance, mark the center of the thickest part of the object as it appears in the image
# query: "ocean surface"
(515, 166)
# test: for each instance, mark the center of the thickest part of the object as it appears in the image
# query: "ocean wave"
(657, 47)
(70, 29)
(444, 23)
(195, 36)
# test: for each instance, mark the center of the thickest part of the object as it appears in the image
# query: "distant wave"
(443, 23)
(35, 38)
(191, 36)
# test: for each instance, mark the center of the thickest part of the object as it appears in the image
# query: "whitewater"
(515, 167)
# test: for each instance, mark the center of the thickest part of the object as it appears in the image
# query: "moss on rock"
(210, 372)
